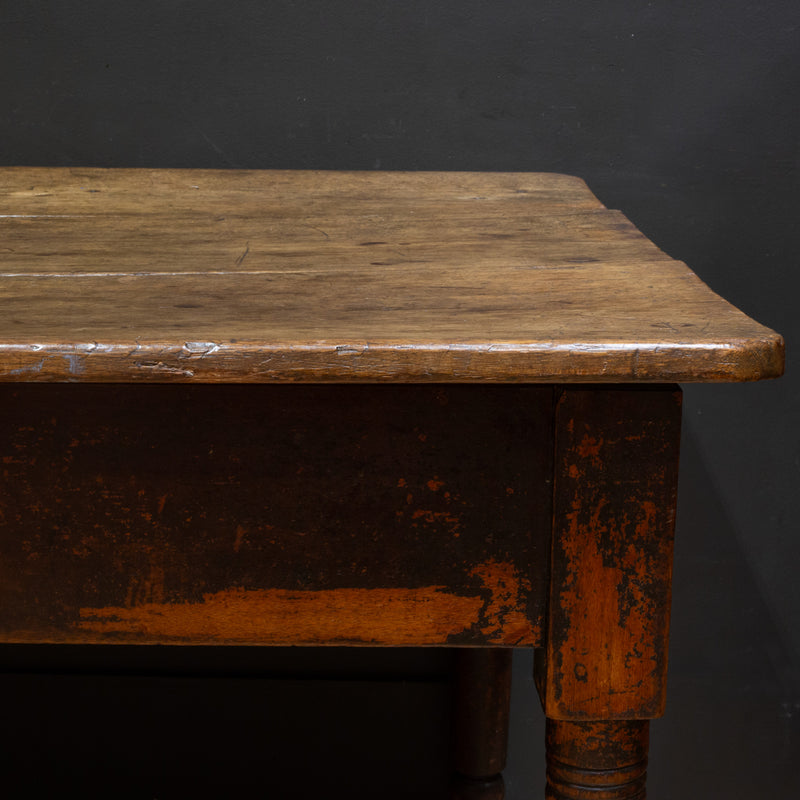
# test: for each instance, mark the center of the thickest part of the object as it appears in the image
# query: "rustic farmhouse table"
(321, 408)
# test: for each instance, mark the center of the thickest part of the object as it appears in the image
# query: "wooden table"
(358, 408)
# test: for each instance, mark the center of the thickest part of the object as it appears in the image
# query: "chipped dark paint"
(429, 615)
(616, 457)
(145, 497)
(605, 760)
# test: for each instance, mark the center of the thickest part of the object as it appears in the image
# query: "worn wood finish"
(352, 514)
(482, 698)
(395, 515)
(615, 484)
(236, 276)
(596, 760)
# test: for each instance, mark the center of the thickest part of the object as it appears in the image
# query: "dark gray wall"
(681, 114)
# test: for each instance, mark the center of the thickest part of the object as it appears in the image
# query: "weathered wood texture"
(597, 760)
(615, 484)
(236, 276)
(482, 700)
(402, 515)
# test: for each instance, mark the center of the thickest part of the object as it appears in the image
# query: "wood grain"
(615, 486)
(271, 276)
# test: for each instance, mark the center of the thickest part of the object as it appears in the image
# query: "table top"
(262, 276)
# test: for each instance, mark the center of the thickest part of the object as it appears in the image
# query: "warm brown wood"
(235, 276)
(480, 722)
(402, 515)
(597, 760)
(352, 514)
(615, 484)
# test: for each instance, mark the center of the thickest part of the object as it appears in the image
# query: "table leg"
(598, 760)
(602, 671)
(480, 723)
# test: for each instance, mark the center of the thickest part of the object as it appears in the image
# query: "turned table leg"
(597, 760)
(601, 673)
(480, 722)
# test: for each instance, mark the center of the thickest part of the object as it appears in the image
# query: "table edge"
(736, 360)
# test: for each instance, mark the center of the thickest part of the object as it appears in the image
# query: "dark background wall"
(683, 115)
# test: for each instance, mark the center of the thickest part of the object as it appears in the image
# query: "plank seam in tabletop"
(262, 276)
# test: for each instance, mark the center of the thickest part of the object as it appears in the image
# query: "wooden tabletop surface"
(262, 276)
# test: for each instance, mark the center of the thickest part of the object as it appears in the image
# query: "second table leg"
(480, 722)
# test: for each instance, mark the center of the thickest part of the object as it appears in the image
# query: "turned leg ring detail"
(597, 760)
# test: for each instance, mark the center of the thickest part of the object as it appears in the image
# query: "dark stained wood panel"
(270, 276)
(404, 515)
